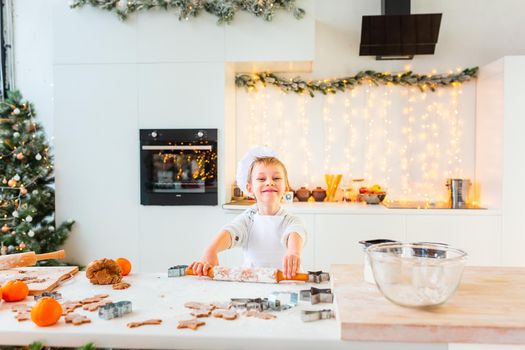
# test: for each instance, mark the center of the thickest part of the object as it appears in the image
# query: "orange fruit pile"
(46, 312)
(125, 265)
(14, 291)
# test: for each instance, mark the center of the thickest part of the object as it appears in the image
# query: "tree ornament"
(11, 183)
(15, 111)
(10, 249)
(31, 233)
(5, 228)
(38, 156)
(15, 214)
(3, 250)
(16, 177)
(16, 135)
(23, 191)
(34, 193)
(51, 228)
(4, 181)
(22, 245)
(29, 218)
(20, 156)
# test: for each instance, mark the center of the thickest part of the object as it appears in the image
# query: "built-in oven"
(178, 166)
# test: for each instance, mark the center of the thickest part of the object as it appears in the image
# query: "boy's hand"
(208, 261)
(291, 263)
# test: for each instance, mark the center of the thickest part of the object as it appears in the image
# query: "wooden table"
(488, 307)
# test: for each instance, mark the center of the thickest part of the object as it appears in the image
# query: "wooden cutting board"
(488, 307)
(39, 279)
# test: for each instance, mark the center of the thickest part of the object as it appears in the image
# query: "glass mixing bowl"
(416, 274)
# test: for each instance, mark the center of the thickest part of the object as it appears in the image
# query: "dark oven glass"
(178, 166)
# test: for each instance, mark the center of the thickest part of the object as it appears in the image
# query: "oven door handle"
(175, 148)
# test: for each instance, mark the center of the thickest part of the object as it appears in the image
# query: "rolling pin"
(27, 259)
(257, 275)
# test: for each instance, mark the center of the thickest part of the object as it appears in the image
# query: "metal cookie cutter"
(248, 304)
(317, 295)
(177, 271)
(318, 276)
(113, 310)
(310, 316)
(279, 301)
(54, 295)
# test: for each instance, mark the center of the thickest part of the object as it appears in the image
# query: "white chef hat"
(243, 166)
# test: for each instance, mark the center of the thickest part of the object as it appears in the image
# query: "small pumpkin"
(14, 290)
(46, 312)
(125, 265)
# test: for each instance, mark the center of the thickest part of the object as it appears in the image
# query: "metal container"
(458, 192)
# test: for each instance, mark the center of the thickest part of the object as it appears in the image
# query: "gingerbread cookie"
(77, 319)
(94, 306)
(70, 306)
(191, 324)
(259, 314)
(121, 285)
(226, 314)
(94, 299)
(139, 324)
(195, 305)
(201, 312)
(104, 271)
(22, 312)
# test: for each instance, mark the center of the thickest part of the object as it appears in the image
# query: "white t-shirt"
(240, 227)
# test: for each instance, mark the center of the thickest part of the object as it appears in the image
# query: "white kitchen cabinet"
(337, 236)
(478, 235)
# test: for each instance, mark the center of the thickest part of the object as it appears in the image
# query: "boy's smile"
(268, 185)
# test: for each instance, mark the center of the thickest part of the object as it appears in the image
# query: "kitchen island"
(157, 296)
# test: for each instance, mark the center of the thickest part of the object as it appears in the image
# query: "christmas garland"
(330, 86)
(225, 10)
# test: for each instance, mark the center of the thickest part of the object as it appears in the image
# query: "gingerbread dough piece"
(226, 314)
(104, 271)
(191, 324)
(261, 315)
(147, 322)
(121, 285)
(201, 312)
(77, 319)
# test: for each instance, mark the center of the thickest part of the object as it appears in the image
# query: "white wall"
(111, 78)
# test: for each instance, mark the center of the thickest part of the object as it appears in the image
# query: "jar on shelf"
(319, 194)
(357, 184)
(302, 194)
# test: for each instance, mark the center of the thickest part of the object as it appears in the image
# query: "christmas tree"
(27, 196)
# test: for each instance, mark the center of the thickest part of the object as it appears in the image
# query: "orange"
(125, 265)
(14, 290)
(46, 312)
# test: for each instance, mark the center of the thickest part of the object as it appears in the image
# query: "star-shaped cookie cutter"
(317, 295)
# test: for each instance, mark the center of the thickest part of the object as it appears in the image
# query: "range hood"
(397, 34)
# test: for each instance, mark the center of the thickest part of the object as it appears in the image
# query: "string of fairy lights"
(404, 138)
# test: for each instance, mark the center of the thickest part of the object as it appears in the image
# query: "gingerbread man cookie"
(121, 285)
(77, 319)
(191, 324)
(143, 323)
